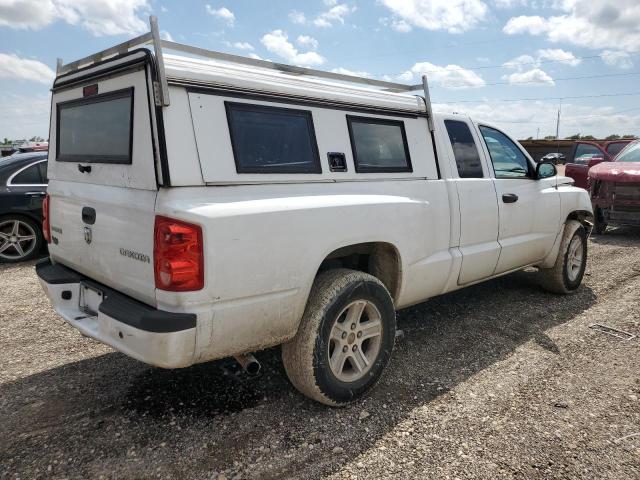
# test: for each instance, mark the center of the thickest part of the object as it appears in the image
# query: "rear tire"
(345, 338)
(566, 274)
(20, 239)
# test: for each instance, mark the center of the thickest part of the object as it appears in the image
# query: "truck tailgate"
(111, 241)
(103, 175)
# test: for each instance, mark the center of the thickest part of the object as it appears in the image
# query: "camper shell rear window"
(96, 129)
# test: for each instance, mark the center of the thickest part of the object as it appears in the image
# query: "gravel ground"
(497, 380)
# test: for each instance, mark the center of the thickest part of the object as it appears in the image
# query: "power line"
(626, 94)
(518, 64)
(582, 77)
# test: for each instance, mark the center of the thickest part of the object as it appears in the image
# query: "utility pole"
(558, 122)
(538, 133)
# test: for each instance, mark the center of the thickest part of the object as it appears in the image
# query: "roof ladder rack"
(153, 37)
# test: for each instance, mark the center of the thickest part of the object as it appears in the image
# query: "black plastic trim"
(56, 274)
(118, 306)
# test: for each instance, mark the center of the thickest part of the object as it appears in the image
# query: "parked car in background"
(615, 190)
(23, 185)
(555, 157)
(587, 154)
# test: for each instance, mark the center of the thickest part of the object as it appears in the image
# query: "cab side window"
(507, 159)
(465, 151)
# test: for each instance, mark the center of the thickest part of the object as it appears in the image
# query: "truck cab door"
(529, 208)
(477, 201)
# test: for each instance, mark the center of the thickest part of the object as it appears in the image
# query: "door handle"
(509, 198)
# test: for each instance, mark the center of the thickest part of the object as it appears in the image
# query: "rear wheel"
(567, 273)
(20, 239)
(345, 338)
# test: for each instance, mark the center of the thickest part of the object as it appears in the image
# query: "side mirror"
(545, 169)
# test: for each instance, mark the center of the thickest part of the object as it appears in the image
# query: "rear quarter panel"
(265, 243)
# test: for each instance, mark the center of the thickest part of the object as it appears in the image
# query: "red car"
(615, 190)
(588, 154)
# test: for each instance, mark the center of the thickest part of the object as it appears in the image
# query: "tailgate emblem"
(87, 234)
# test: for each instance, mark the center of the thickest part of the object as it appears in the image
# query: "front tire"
(566, 274)
(345, 338)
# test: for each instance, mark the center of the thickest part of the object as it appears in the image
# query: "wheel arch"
(380, 259)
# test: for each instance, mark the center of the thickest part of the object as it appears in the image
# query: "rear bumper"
(160, 338)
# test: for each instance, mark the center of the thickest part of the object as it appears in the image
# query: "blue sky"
(584, 54)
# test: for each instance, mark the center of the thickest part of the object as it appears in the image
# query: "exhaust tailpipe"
(249, 363)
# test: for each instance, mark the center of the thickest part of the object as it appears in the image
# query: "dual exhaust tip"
(249, 363)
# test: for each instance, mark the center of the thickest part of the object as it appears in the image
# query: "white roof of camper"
(214, 73)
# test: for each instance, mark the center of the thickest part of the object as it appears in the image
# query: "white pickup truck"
(201, 208)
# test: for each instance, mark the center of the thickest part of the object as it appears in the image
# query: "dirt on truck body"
(496, 381)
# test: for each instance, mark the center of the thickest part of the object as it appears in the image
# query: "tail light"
(178, 255)
(46, 226)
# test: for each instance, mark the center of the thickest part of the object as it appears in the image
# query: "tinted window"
(379, 145)
(508, 160)
(614, 148)
(464, 149)
(631, 154)
(272, 140)
(585, 152)
(97, 129)
(42, 166)
(29, 176)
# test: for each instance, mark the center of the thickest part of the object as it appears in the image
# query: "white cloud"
(559, 55)
(242, 45)
(587, 23)
(451, 76)
(531, 77)
(528, 71)
(335, 14)
(277, 42)
(522, 119)
(100, 17)
(509, 3)
(532, 24)
(14, 67)
(454, 16)
(353, 73)
(298, 17)
(25, 116)
(616, 58)
(166, 36)
(307, 41)
(255, 56)
(222, 13)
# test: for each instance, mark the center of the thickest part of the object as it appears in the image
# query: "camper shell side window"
(378, 145)
(269, 139)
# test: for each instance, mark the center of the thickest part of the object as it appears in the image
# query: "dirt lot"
(498, 380)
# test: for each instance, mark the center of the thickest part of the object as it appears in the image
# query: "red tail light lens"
(178, 255)
(46, 226)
